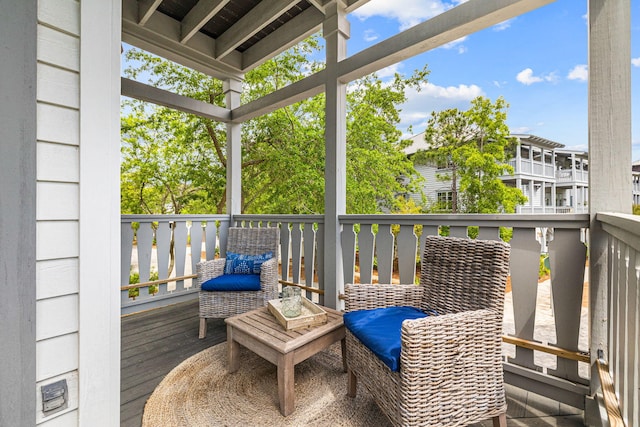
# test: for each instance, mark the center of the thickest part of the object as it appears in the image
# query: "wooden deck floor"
(153, 343)
(156, 341)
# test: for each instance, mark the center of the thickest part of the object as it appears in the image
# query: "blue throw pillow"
(245, 264)
(233, 282)
(380, 329)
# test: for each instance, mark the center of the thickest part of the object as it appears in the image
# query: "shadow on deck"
(156, 341)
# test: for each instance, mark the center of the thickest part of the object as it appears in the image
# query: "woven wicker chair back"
(464, 274)
(254, 241)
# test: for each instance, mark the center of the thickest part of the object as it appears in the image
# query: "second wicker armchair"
(446, 369)
(237, 293)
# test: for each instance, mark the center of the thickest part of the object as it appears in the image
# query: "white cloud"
(579, 72)
(526, 77)
(635, 62)
(503, 25)
(456, 44)
(522, 129)
(370, 36)
(408, 14)
(389, 71)
(417, 110)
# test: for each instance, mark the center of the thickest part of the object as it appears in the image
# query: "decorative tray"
(310, 315)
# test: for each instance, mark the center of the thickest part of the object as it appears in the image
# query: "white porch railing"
(624, 311)
(163, 250)
(545, 320)
(544, 323)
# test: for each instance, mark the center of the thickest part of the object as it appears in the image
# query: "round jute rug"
(200, 392)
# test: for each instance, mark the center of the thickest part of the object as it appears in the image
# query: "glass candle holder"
(291, 301)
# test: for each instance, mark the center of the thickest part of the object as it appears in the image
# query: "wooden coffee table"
(260, 332)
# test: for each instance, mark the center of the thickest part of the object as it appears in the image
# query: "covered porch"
(341, 248)
(546, 327)
(64, 156)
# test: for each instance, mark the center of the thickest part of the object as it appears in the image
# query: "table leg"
(343, 344)
(286, 383)
(233, 350)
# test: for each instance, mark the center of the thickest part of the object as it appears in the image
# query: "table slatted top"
(264, 327)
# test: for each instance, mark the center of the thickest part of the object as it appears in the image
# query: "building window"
(445, 199)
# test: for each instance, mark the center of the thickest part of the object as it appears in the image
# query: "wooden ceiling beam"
(146, 9)
(299, 28)
(161, 36)
(198, 16)
(143, 92)
(255, 20)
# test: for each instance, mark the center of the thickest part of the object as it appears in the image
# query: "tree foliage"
(473, 145)
(176, 163)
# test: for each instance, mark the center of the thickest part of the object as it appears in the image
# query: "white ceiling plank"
(451, 25)
(199, 15)
(146, 9)
(161, 36)
(143, 92)
(255, 20)
(302, 89)
(291, 33)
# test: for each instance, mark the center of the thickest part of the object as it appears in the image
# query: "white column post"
(99, 226)
(18, 175)
(518, 185)
(532, 191)
(609, 144)
(232, 89)
(336, 33)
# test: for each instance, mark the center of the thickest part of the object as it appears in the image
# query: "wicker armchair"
(222, 304)
(450, 364)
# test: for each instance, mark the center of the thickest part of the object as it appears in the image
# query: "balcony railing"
(572, 175)
(546, 326)
(623, 308)
(162, 252)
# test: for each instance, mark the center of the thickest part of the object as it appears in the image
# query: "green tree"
(176, 163)
(473, 145)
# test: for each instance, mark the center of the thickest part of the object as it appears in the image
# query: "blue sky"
(537, 62)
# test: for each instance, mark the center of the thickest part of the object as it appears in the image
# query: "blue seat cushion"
(379, 330)
(245, 264)
(233, 282)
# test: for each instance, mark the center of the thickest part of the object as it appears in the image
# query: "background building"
(554, 179)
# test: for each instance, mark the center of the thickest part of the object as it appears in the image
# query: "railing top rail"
(279, 218)
(625, 227)
(179, 217)
(486, 220)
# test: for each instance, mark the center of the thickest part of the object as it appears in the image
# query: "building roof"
(418, 142)
(537, 140)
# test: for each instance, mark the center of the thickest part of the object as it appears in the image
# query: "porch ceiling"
(223, 38)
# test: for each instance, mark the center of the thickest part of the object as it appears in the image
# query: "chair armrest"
(269, 275)
(369, 296)
(209, 269)
(451, 342)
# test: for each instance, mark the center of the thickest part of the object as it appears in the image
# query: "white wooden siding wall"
(432, 185)
(57, 203)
